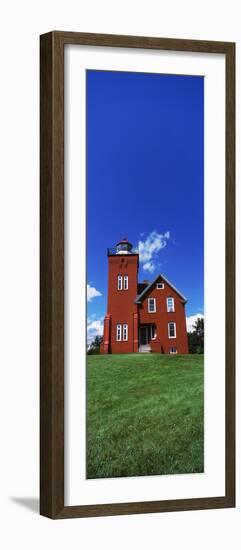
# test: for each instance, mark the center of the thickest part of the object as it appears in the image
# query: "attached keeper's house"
(141, 317)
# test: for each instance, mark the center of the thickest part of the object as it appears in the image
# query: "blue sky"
(145, 179)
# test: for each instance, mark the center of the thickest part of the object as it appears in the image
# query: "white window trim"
(125, 332)
(170, 309)
(119, 284)
(173, 352)
(154, 310)
(153, 328)
(118, 332)
(172, 323)
(125, 286)
(160, 286)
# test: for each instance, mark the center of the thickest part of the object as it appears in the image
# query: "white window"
(119, 282)
(152, 305)
(160, 286)
(125, 332)
(125, 282)
(173, 350)
(118, 333)
(171, 330)
(153, 332)
(170, 304)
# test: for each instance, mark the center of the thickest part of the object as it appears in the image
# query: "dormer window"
(151, 305)
(160, 286)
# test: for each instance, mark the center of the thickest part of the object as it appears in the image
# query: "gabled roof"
(141, 287)
(140, 297)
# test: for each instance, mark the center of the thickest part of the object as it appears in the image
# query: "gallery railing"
(114, 250)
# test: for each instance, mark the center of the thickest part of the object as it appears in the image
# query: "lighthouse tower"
(121, 320)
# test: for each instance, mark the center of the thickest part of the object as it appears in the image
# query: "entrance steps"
(145, 349)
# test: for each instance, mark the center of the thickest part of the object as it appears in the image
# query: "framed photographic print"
(137, 275)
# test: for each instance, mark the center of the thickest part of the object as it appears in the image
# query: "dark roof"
(124, 241)
(141, 287)
(143, 292)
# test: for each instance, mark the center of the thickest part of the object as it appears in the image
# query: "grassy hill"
(144, 415)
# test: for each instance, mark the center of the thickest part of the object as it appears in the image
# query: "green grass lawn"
(144, 415)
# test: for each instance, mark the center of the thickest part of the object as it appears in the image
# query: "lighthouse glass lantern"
(123, 247)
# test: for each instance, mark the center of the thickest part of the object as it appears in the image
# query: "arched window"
(119, 282)
(125, 332)
(125, 282)
(118, 333)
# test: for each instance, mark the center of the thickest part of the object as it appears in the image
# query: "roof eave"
(139, 298)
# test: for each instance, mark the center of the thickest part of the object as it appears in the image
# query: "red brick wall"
(161, 318)
(121, 306)
(121, 309)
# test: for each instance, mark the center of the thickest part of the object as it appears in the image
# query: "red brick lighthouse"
(141, 317)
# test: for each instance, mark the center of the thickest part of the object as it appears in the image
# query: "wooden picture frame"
(52, 273)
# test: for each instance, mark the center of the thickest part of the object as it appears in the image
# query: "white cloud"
(149, 266)
(94, 328)
(91, 318)
(190, 321)
(92, 293)
(149, 248)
